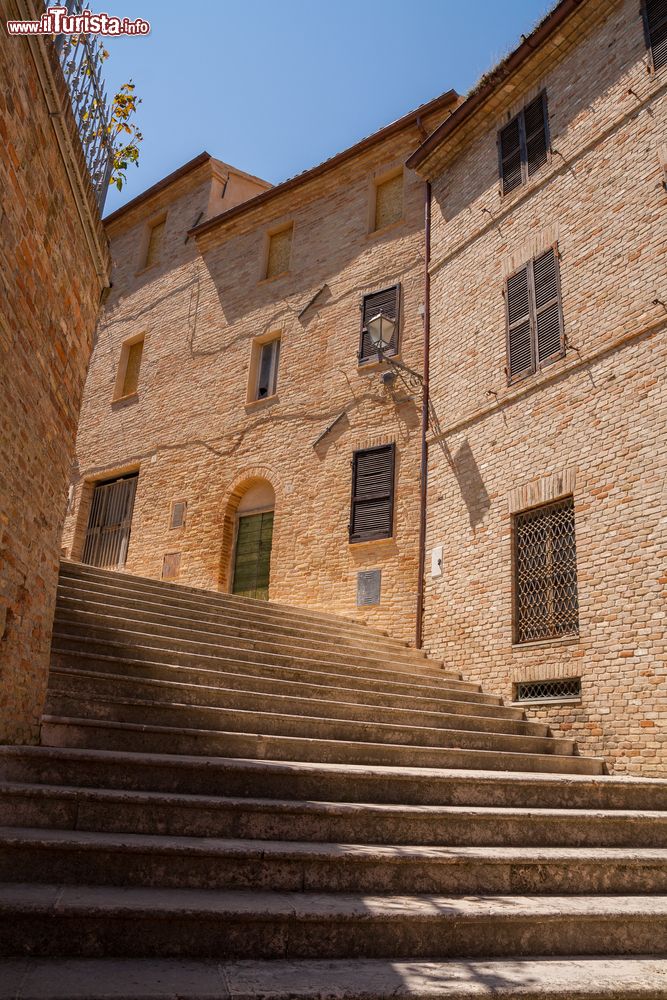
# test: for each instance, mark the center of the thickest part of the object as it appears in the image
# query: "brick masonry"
(591, 425)
(191, 430)
(49, 294)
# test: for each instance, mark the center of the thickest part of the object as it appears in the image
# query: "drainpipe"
(423, 472)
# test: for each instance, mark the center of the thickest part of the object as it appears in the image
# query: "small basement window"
(553, 690)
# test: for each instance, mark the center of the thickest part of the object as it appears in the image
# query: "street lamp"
(381, 329)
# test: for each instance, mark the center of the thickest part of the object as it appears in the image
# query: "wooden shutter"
(520, 356)
(655, 17)
(510, 145)
(534, 316)
(523, 144)
(548, 314)
(388, 302)
(536, 133)
(178, 509)
(372, 512)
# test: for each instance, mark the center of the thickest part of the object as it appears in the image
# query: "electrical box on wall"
(436, 561)
(368, 587)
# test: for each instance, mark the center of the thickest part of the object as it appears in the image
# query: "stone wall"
(49, 293)
(593, 423)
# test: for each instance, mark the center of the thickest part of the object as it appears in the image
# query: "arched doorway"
(253, 537)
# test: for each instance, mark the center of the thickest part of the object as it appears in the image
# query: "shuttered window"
(655, 18)
(523, 144)
(388, 302)
(534, 316)
(372, 512)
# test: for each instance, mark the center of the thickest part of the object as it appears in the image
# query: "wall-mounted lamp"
(381, 329)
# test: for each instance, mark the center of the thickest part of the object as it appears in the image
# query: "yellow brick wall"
(190, 429)
(597, 417)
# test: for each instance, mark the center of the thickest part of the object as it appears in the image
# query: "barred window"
(554, 690)
(545, 573)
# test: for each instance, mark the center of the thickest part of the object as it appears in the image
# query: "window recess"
(534, 316)
(372, 507)
(546, 604)
(267, 369)
(523, 144)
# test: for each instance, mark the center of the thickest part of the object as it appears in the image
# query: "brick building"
(239, 434)
(251, 396)
(53, 266)
(547, 455)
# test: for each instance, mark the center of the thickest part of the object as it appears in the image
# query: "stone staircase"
(238, 799)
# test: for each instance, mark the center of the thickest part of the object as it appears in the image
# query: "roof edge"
(449, 97)
(497, 76)
(160, 185)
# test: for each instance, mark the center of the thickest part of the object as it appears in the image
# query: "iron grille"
(548, 690)
(81, 58)
(545, 573)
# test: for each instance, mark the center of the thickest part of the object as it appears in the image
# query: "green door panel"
(252, 563)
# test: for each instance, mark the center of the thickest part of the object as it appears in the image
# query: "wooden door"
(252, 562)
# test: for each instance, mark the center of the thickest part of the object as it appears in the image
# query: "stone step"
(81, 575)
(282, 682)
(271, 720)
(76, 857)
(348, 783)
(95, 921)
(189, 815)
(72, 594)
(101, 734)
(569, 978)
(85, 685)
(158, 661)
(122, 640)
(258, 641)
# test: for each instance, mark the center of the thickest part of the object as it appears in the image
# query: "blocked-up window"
(386, 301)
(546, 603)
(130, 365)
(523, 144)
(280, 248)
(534, 314)
(655, 16)
(388, 201)
(155, 239)
(372, 512)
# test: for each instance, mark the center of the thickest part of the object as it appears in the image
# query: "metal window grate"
(545, 573)
(548, 690)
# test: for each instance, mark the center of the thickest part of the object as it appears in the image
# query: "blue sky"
(276, 86)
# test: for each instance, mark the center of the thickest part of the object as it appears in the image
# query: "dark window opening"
(267, 381)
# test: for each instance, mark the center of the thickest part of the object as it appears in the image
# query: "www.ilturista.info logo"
(57, 21)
